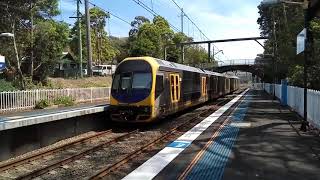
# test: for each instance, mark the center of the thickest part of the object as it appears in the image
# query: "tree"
(20, 17)
(282, 24)
(136, 24)
(103, 50)
(288, 21)
(148, 39)
(50, 39)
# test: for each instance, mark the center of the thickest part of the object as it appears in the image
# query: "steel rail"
(46, 169)
(38, 155)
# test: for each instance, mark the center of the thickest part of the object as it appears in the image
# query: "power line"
(201, 32)
(112, 14)
(190, 19)
(151, 11)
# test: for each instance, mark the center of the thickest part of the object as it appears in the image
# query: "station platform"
(251, 137)
(28, 118)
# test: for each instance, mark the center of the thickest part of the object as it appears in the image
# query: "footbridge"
(245, 65)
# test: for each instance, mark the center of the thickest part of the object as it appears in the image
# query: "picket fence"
(295, 97)
(22, 100)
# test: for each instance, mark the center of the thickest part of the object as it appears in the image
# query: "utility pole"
(182, 15)
(274, 55)
(182, 47)
(32, 45)
(88, 33)
(209, 52)
(79, 38)
(182, 54)
(307, 18)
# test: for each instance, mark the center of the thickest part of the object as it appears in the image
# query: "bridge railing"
(295, 100)
(236, 62)
(22, 100)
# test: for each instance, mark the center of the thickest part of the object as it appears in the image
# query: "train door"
(160, 97)
(204, 86)
(175, 88)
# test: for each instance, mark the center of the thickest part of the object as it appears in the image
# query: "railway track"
(107, 169)
(15, 163)
(74, 157)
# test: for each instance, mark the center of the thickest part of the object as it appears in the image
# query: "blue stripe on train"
(131, 97)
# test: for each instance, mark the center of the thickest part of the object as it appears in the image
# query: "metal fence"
(21, 100)
(296, 101)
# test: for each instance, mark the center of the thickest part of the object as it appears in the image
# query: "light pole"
(220, 51)
(305, 5)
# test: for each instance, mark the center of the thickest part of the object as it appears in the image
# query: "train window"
(115, 84)
(175, 88)
(141, 81)
(159, 85)
(125, 83)
(172, 87)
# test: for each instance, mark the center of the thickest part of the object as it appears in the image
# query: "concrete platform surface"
(258, 140)
(22, 119)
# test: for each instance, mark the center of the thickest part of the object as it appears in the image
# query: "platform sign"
(179, 144)
(2, 63)
(301, 41)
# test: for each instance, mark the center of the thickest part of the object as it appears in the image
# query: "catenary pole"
(88, 33)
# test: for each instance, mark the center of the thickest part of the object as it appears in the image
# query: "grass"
(61, 83)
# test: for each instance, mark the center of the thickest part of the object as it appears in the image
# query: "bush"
(42, 104)
(6, 86)
(64, 100)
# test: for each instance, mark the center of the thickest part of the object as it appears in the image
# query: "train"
(145, 89)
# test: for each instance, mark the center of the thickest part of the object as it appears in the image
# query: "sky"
(217, 19)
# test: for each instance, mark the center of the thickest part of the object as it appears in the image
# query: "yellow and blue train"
(145, 88)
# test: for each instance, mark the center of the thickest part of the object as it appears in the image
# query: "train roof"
(232, 76)
(213, 73)
(171, 65)
(176, 66)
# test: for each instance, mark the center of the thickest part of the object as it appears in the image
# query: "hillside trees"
(148, 38)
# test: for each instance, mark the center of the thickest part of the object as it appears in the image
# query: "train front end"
(132, 91)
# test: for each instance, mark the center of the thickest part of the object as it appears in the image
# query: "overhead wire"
(151, 11)
(112, 14)
(186, 15)
(202, 35)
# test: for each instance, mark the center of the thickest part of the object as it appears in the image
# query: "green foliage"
(44, 103)
(149, 39)
(287, 22)
(196, 55)
(64, 100)
(102, 49)
(44, 46)
(50, 39)
(296, 74)
(6, 86)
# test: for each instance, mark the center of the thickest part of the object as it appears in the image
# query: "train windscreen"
(132, 81)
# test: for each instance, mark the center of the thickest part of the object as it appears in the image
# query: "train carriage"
(146, 88)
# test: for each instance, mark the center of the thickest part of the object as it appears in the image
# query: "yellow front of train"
(133, 90)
